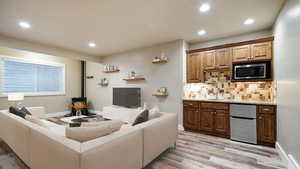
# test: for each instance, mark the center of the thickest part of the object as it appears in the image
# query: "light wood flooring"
(193, 151)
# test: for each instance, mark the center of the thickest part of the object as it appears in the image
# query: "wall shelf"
(111, 71)
(160, 95)
(160, 62)
(103, 84)
(134, 79)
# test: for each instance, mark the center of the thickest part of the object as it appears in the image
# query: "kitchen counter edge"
(231, 101)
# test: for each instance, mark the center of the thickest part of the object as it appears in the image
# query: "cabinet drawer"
(266, 109)
(214, 106)
(190, 105)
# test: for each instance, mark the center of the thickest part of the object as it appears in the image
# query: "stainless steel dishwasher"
(243, 123)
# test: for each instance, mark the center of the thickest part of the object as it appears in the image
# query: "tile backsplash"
(218, 85)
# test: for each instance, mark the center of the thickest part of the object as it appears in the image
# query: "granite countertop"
(230, 101)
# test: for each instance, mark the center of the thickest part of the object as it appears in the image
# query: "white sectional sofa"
(130, 148)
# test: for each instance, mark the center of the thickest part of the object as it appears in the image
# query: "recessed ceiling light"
(204, 7)
(92, 44)
(24, 25)
(201, 32)
(249, 21)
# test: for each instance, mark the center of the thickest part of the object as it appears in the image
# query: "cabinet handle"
(259, 117)
(266, 109)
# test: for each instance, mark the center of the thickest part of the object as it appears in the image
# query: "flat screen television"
(127, 97)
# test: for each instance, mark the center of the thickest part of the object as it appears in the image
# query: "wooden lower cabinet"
(210, 118)
(206, 120)
(266, 125)
(214, 119)
(191, 119)
(221, 122)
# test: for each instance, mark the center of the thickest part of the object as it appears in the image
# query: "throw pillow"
(36, 120)
(25, 111)
(17, 112)
(154, 113)
(143, 117)
(83, 134)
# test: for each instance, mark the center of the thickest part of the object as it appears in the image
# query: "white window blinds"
(32, 78)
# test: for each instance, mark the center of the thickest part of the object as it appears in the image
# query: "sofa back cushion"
(83, 134)
(120, 113)
(36, 120)
(154, 113)
(120, 150)
(15, 132)
(37, 112)
(48, 150)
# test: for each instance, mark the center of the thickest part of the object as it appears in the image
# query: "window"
(31, 77)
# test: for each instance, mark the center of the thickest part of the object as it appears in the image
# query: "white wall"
(233, 39)
(167, 75)
(50, 50)
(287, 74)
(52, 103)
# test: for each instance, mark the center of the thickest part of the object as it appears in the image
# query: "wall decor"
(161, 92)
(103, 82)
(160, 59)
(89, 77)
(111, 68)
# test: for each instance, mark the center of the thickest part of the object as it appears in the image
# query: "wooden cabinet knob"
(259, 117)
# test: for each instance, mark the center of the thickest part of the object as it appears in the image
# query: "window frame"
(33, 61)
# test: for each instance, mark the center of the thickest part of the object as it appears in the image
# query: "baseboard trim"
(288, 159)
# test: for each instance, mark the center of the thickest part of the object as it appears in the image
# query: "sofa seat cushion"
(83, 134)
(58, 130)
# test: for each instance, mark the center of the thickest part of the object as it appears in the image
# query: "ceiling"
(121, 25)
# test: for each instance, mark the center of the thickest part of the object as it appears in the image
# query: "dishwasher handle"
(245, 118)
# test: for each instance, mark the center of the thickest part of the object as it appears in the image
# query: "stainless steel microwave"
(252, 71)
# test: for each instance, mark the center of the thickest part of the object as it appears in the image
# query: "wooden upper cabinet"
(223, 58)
(194, 68)
(241, 53)
(209, 60)
(261, 51)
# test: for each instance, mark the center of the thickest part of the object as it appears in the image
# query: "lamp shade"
(15, 96)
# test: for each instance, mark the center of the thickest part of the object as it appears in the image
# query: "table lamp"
(15, 97)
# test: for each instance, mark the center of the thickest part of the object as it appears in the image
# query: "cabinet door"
(223, 58)
(206, 120)
(261, 51)
(221, 122)
(191, 119)
(241, 53)
(209, 60)
(266, 127)
(194, 68)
